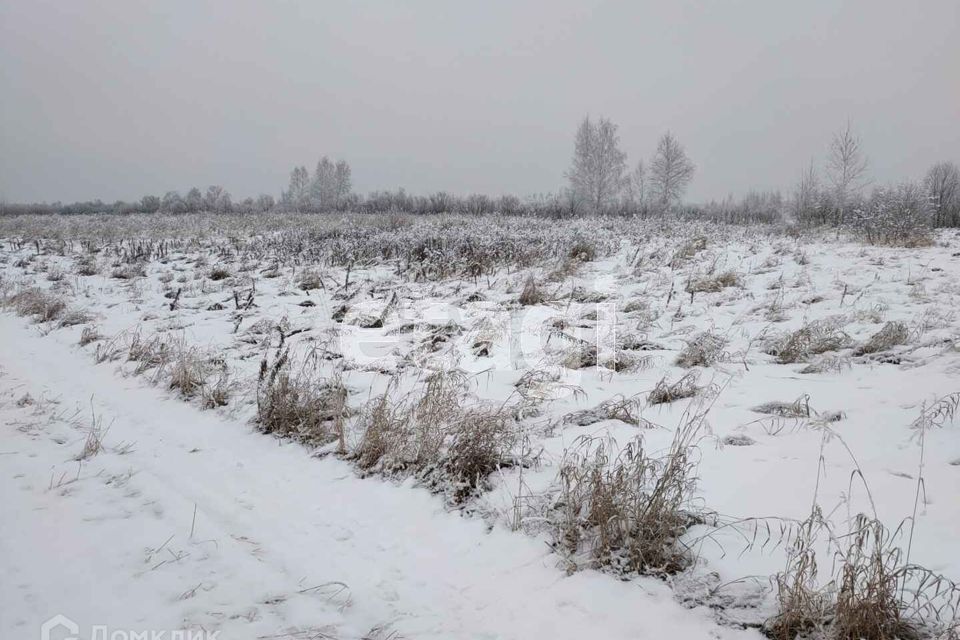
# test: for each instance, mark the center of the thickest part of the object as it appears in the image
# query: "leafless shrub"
(665, 391)
(704, 350)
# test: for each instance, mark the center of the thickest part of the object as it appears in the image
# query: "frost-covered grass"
(540, 375)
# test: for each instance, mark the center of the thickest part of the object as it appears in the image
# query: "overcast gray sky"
(115, 99)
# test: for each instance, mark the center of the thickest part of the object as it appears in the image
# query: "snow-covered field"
(382, 427)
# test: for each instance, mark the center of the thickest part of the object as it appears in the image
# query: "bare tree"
(943, 186)
(323, 189)
(342, 183)
(597, 173)
(298, 193)
(806, 205)
(847, 170)
(194, 200)
(671, 171)
(637, 185)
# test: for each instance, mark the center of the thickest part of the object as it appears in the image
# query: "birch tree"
(846, 170)
(596, 175)
(637, 185)
(943, 185)
(670, 171)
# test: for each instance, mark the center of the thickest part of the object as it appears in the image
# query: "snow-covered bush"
(901, 215)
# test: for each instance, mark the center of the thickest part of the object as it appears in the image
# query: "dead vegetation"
(812, 339)
(704, 350)
(666, 391)
(625, 510)
(891, 335)
(872, 591)
(300, 407)
(531, 294)
(435, 435)
(39, 304)
(713, 283)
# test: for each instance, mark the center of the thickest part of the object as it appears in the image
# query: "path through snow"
(283, 545)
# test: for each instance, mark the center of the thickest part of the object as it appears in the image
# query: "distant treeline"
(599, 181)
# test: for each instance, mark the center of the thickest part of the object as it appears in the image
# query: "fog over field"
(423, 320)
(113, 100)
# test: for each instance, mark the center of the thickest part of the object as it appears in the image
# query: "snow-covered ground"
(190, 519)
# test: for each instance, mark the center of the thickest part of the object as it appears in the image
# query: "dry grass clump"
(704, 350)
(55, 273)
(219, 273)
(87, 266)
(799, 408)
(39, 304)
(149, 353)
(73, 317)
(88, 335)
(582, 249)
(309, 410)
(531, 294)
(579, 356)
(586, 296)
(310, 280)
(665, 391)
(188, 371)
(432, 434)
(801, 605)
(891, 335)
(687, 250)
(627, 512)
(621, 361)
(869, 602)
(872, 594)
(626, 410)
(873, 591)
(93, 443)
(713, 284)
(814, 338)
(827, 363)
(129, 271)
